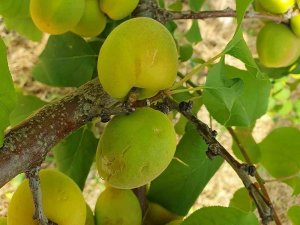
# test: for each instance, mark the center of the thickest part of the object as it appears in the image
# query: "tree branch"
(26, 145)
(216, 149)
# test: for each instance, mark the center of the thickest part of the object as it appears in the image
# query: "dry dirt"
(22, 55)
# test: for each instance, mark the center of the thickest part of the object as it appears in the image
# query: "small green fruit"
(92, 22)
(158, 215)
(118, 9)
(139, 53)
(134, 149)
(277, 46)
(118, 207)
(277, 6)
(295, 24)
(175, 222)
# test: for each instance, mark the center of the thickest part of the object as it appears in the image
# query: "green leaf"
(189, 172)
(241, 8)
(293, 214)
(74, 155)
(26, 105)
(217, 215)
(14, 8)
(280, 155)
(242, 200)
(67, 61)
(195, 5)
(25, 27)
(235, 97)
(185, 52)
(246, 139)
(176, 6)
(7, 92)
(193, 35)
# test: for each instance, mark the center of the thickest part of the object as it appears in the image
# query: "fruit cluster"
(278, 45)
(84, 17)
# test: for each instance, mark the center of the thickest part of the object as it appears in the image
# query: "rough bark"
(26, 145)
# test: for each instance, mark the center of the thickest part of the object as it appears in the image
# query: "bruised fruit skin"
(295, 24)
(139, 53)
(277, 46)
(62, 201)
(134, 149)
(277, 6)
(118, 207)
(158, 215)
(92, 22)
(118, 9)
(56, 16)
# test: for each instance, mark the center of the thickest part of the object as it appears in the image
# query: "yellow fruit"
(158, 215)
(175, 222)
(277, 6)
(118, 207)
(118, 9)
(134, 149)
(92, 22)
(62, 201)
(295, 24)
(3, 221)
(56, 16)
(138, 53)
(277, 46)
(89, 216)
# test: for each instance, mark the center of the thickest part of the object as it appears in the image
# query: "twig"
(34, 184)
(257, 176)
(216, 149)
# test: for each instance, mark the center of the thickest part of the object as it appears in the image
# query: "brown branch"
(34, 184)
(257, 176)
(180, 15)
(216, 149)
(26, 145)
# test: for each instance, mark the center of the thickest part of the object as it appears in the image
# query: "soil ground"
(23, 55)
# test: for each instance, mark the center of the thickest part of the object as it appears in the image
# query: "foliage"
(234, 97)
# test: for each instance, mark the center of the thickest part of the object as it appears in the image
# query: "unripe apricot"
(139, 53)
(118, 207)
(277, 45)
(62, 201)
(56, 16)
(295, 24)
(134, 149)
(118, 9)
(92, 22)
(277, 6)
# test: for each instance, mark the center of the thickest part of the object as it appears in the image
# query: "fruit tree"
(137, 88)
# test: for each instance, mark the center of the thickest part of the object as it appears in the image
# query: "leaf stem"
(195, 70)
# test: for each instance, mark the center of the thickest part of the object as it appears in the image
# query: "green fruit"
(175, 222)
(56, 16)
(277, 6)
(118, 207)
(89, 216)
(92, 22)
(138, 53)
(295, 24)
(118, 9)
(3, 220)
(134, 149)
(158, 215)
(62, 201)
(277, 46)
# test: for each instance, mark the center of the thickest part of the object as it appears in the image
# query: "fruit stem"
(195, 70)
(34, 184)
(200, 87)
